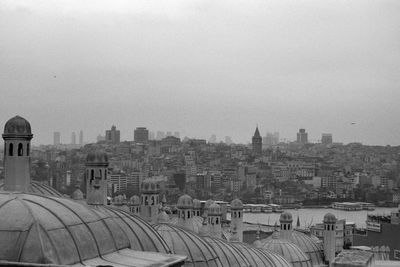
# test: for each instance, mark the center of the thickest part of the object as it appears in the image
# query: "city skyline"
(190, 66)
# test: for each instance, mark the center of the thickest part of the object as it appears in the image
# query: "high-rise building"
(169, 133)
(302, 136)
(326, 139)
(228, 140)
(213, 139)
(176, 134)
(57, 138)
(81, 138)
(141, 135)
(152, 136)
(160, 135)
(113, 135)
(257, 142)
(73, 138)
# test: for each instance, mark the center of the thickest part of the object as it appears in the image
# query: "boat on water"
(276, 208)
(353, 206)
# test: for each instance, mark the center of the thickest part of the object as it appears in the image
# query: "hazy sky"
(203, 67)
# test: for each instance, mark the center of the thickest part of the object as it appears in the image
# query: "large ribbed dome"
(43, 229)
(38, 188)
(229, 255)
(194, 225)
(311, 247)
(287, 249)
(199, 252)
(260, 258)
(17, 126)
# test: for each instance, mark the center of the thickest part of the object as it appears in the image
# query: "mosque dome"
(214, 209)
(259, 257)
(183, 242)
(96, 157)
(134, 200)
(77, 194)
(195, 224)
(196, 204)
(150, 186)
(286, 217)
(310, 246)
(329, 218)
(237, 204)
(185, 202)
(229, 255)
(51, 230)
(17, 126)
(290, 251)
(38, 188)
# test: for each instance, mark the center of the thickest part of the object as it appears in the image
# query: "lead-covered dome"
(214, 209)
(194, 224)
(17, 126)
(185, 202)
(329, 218)
(286, 217)
(36, 187)
(229, 255)
(184, 242)
(236, 204)
(311, 247)
(96, 157)
(261, 258)
(134, 200)
(290, 251)
(50, 230)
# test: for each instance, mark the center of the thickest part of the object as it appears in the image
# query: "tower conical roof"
(257, 133)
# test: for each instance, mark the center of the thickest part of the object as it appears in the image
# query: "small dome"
(183, 242)
(208, 203)
(229, 255)
(286, 217)
(134, 200)
(310, 246)
(290, 251)
(150, 186)
(77, 194)
(214, 209)
(196, 204)
(261, 258)
(17, 126)
(185, 202)
(237, 204)
(38, 188)
(329, 218)
(96, 157)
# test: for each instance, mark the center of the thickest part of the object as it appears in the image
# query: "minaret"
(329, 237)
(214, 220)
(150, 200)
(237, 219)
(196, 207)
(286, 221)
(257, 142)
(185, 211)
(17, 162)
(96, 178)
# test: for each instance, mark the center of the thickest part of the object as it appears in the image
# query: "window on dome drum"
(11, 149)
(27, 149)
(100, 173)
(20, 150)
(91, 175)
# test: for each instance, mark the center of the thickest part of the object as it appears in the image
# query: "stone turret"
(96, 178)
(329, 237)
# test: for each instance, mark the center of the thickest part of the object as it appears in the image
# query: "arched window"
(100, 173)
(11, 149)
(91, 174)
(20, 150)
(27, 149)
(217, 221)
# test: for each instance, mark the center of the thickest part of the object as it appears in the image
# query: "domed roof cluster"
(329, 218)
(150, 186)
(52, 230)
(313, 248)
(39, 188)
(96, 157)
(17, 126)
(185, 202)
(287, 249)
(184, 242)
(237, 204)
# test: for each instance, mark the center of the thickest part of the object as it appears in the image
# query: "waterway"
(312, 216)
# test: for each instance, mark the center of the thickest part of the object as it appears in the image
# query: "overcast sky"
(203, 67)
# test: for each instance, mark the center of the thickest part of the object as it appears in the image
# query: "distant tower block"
(96, 178)
(257, 142)
(237, 219)
(17, 138)
(150, 200)
(329, 237)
